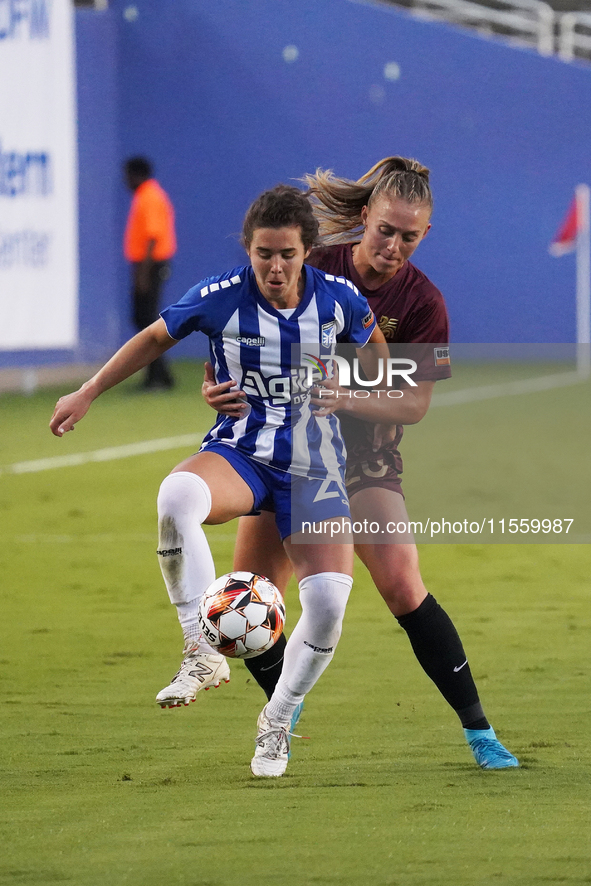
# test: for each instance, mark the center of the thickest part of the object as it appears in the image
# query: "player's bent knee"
(325, 595)
(184, 501)
(183, 495)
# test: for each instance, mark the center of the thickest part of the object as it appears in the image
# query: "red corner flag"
(565, 240)
(574, 225)
(575, 235)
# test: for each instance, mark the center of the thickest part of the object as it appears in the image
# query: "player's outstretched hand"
(220, 397)
(68, 411)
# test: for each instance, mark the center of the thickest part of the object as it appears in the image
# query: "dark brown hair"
(281, 207)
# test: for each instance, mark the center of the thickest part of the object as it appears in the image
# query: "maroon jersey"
(409, 309)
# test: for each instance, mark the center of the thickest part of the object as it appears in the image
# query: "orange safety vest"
(151, 217)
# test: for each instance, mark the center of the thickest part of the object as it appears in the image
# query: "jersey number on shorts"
(355, 475)
(323, 492)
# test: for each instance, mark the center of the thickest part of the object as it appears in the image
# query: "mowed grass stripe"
(509, 389)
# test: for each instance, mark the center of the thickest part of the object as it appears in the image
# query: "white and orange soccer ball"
(241, 614)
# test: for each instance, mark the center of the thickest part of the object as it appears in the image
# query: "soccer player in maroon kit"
(374, 226)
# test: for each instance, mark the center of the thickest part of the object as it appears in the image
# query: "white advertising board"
(38, 176)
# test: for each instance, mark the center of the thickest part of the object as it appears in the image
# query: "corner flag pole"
(583, 281)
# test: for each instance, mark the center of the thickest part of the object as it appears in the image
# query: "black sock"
(266, 668)
(440, 653)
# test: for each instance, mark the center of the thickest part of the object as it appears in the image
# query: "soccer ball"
(241, 614)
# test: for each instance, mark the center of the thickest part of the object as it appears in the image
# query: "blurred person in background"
(149, 243)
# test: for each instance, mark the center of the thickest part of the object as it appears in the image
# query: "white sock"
(187, 614)
(311, 645)
(184, 501)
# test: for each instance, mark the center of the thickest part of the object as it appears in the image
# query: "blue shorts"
(294, 499)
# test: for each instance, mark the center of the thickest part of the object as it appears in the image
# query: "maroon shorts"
(368, 474)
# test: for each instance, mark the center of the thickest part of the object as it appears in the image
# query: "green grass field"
(100, 787)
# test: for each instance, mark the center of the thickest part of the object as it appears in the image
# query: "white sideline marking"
(453, 398)
(509, 388)
(111, 454)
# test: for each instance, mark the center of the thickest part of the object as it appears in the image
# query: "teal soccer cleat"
(294, 722)
(488, 751)
(295, 717)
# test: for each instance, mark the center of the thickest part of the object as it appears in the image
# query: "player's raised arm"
(138, 352)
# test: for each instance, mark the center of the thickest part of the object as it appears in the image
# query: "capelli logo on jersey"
(254, 341)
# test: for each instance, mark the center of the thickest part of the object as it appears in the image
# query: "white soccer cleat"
(271, 747)
(198, 670)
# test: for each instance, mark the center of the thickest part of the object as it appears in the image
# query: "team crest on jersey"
(329, 333)
(441, 356)
(388, 326)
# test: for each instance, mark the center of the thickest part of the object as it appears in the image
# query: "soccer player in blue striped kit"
(253, 316)
(369, 230)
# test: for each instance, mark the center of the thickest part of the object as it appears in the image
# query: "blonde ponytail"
(338, 202)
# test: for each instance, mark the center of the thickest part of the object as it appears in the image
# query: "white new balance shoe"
(198, 670)
(271, 747)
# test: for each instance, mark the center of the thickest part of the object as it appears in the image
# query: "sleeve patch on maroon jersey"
(367, 320)
(441, 356)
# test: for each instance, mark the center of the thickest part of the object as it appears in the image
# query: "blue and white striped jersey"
(265, 352)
